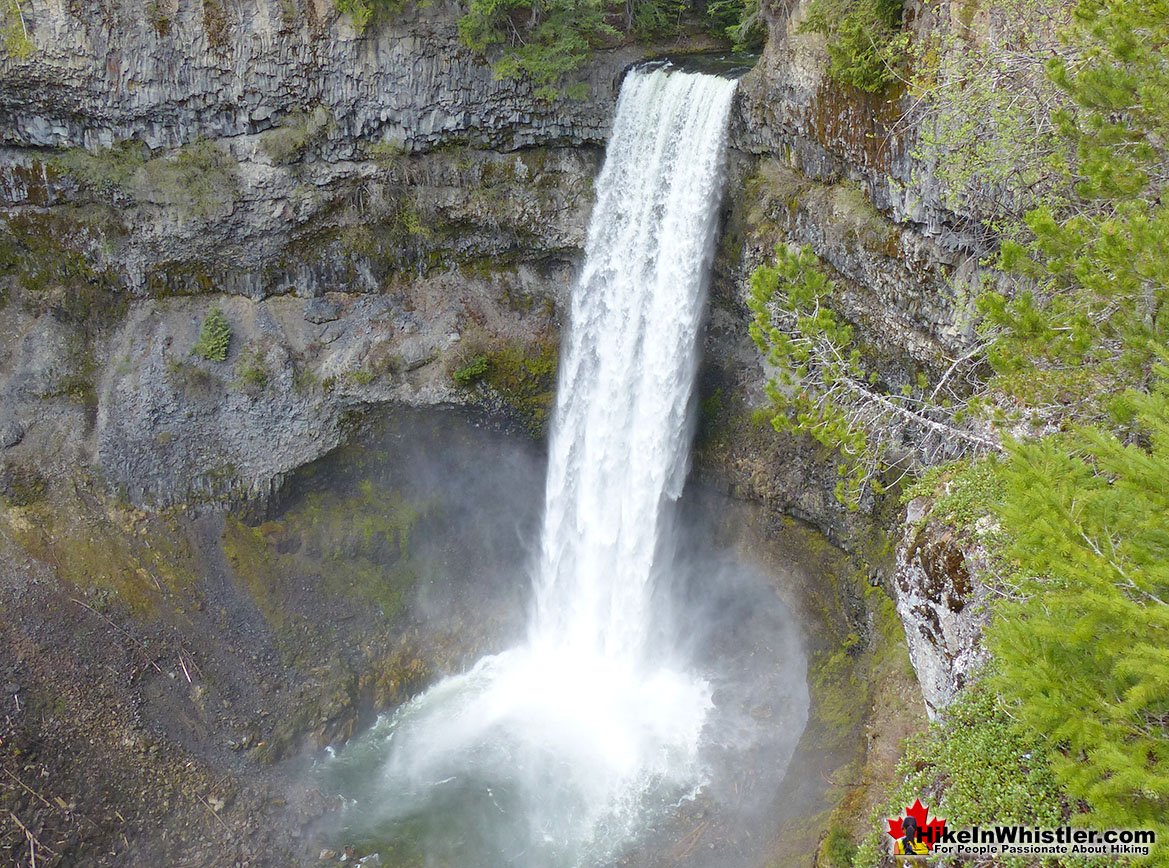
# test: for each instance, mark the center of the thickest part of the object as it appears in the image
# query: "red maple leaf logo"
(930, 832)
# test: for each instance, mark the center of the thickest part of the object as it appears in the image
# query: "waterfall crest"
(559, 751)
(620, 439)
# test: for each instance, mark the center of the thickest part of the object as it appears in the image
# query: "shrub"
(364, 12)
(252, 371)
(839, 848)
(288, 142)
(472, 371)
(14, 38)
(866, 47)
(214, 337)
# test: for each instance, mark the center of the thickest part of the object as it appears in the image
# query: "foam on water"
(560, 750)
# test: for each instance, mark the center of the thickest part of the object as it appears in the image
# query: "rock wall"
(384, 204)
(370, 210)
(942, 604)
(377, 295)
(169, 71)
(843, 171)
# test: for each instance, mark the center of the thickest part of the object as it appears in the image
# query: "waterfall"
(557, 752)
(620, 440)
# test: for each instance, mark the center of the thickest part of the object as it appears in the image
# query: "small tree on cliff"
(214, 337)
(826, 387)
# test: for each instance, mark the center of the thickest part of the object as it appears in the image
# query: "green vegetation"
(42, 266)
(523, 376)
(977, 767)
(39, 253)
(1070, 725)
(288, 142)
(360, 377)
(363, 13)
(839, 848)
(22, 486)
(159, 17)
(197, 180)
(989, 105)
(106, 554)
(471, 371)
(961, 491)
(867, 48)
(556, 38)
(827, 389)
(251, 370)
(14, 38)
(1092, 324)
(544, 42)
(740, 21)
(357, 543)
(1084, 507)
(215, 24)
(1083, 642)
(214, 337)
(190, 379)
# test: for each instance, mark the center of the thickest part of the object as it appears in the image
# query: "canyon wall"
(373, 214)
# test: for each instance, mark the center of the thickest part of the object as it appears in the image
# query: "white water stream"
(559, 751)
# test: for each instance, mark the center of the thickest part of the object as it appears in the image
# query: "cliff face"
(169, 71)
(279, 126)
(372, 212)
(845, 172)
(296, 163)
(941, 602)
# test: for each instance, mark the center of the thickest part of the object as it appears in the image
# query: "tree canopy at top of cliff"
(546, 40)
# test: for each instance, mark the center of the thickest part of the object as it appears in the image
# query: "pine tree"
(1090, 326)
(1083, 651)
(1084, 648)
(214, 337)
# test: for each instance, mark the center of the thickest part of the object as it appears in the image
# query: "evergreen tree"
(1083, 650)
(214, 337)
(1089, 326)
(827, 386)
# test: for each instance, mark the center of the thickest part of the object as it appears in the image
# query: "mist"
(652, 673)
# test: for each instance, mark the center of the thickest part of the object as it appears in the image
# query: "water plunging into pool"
(559, 751)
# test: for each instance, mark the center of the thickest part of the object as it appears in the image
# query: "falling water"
(559, 751)
(620, 445)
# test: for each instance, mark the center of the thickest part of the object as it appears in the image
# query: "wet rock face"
(172, 426)
(169, 71)
(367, 291)
(942, 604)
(841, 170)
(348, 282)
(789, 106)
(258, 224)
(837, 169)
(357, 204)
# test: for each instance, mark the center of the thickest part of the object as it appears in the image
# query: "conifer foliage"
(214, 337)
(1083, 650)
(825, 387)
(1091, 324)
(1080, 348)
